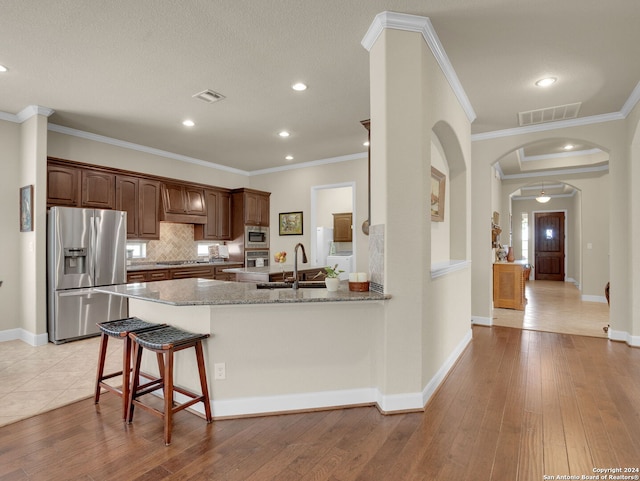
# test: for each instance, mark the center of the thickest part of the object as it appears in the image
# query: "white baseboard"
(389, 404)
(25, 336)
(482, 321)
(594, 298)
(436, 380)
(623, 336)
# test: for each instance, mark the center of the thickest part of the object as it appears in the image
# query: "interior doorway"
(326, 200)
(549, 250)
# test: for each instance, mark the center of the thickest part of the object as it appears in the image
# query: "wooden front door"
(549, 249)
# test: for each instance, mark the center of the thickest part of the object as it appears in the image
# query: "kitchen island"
(280, 349)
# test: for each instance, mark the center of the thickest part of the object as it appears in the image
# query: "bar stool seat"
(119, 329)
(165, 342)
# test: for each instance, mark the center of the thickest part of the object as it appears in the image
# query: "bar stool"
(119, 329)
(165, 342)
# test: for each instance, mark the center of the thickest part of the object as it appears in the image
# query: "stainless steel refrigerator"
(86, 248)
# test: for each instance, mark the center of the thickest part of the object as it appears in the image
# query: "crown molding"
(631, 102)
(552, 173)
(414, 23)
(141, 148)
(312, 163)
(557, 155)
(559, 124)
(26, 113)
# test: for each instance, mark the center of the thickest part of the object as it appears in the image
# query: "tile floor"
(34, 380)
(556, 307)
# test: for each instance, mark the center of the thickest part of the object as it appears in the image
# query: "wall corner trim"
(415, 23)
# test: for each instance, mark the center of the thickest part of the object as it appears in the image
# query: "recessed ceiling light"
(188, 123)
(545, 82)
(299, 86)
(569, 147)
(284, 133)
(3, 68)
(289, 157)
(366, 144)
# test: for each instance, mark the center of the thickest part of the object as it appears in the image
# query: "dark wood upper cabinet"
(149, 209)
(218, 225)
(63, 185)
(343, 227)
(98, 189)
(140, 199)
(256, 208)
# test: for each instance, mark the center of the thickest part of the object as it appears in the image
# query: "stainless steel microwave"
(256, 237)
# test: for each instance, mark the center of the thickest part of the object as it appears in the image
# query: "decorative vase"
(501, 254)
(510, 256)
(332, 283)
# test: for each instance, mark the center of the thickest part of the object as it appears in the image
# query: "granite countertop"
(201, 292)
(171, 265)
(272, 269)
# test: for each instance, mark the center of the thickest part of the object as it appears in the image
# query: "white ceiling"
(128, 69)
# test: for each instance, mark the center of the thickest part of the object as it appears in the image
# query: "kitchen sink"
(289, 285)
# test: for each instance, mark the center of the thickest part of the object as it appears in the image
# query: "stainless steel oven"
(256, 237)
(256, 258)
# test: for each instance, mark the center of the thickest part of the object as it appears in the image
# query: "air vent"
(209, 96)
(550, 114)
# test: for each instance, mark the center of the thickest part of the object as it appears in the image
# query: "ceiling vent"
(550, 114)
(209, 96)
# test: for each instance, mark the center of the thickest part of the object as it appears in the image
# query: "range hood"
(183, 204)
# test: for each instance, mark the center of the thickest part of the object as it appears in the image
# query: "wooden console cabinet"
(508, 286)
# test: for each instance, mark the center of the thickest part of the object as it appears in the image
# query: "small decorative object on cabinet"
(501, 253)
(510, 256)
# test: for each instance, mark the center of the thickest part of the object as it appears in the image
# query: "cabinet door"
(98, 189)
(174, 200)
(63, 185)
(263, 209)
(508, 286)
(149, 209)
(224, 215)
(256, 209)
(194, 201)
(218, 225)
(127, 200)
(251, 211)
(342, 227)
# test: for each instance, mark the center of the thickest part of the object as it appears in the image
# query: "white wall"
(291, 192)
(98, 153)
(10, 238)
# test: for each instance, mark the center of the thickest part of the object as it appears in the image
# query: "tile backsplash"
(176, 243)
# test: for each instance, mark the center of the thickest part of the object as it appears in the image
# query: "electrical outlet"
(219, 370)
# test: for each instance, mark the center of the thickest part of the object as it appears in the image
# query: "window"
(139, 249)
(525, 236)
(203, 248)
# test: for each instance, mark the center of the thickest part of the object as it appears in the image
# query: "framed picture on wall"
(290, 223)
(26, 208)
(438, 180)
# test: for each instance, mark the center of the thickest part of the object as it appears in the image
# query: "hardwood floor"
(518, 405)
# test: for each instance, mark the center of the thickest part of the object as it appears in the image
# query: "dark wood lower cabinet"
(203, 272)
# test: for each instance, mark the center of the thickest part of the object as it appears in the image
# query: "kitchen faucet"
(295, 263)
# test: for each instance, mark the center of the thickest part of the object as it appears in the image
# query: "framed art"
(26, 208)
(438, 180)
(290, 223)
